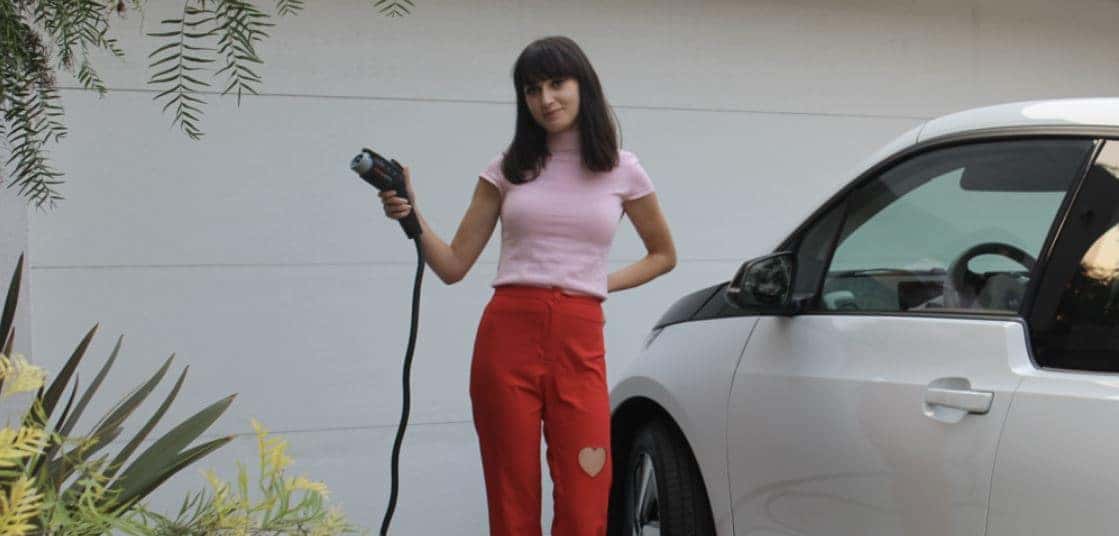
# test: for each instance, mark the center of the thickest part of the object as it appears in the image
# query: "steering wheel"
(958, 292)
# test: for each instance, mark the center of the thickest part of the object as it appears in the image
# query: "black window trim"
(1072, 202)
(1056, 230)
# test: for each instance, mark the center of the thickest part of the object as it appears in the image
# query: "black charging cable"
(385, 174)
(407, 400)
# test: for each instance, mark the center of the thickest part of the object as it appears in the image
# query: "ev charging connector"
(384, 174)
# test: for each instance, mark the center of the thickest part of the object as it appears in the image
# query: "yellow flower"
(273, 451)
(333, 523)
(20, 507)
(220, 487)
(19, 375)
(260, 430)
(237, 525)
(309, 485)
(18, 444)
(277, 455)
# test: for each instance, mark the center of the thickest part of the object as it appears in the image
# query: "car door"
(877, 408)
(1058, 467)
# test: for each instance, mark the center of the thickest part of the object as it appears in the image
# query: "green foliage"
(184, 60)
(229, 29)
(42, 458)
(288, 7)
(280, 504)
(242, 25)
(394, 8)
(210, 39)
(35, 39)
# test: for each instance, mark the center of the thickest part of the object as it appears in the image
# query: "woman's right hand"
(397, 207)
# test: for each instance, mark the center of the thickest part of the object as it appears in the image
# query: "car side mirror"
(764, 284)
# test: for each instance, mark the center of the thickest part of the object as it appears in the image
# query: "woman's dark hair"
(545, 59)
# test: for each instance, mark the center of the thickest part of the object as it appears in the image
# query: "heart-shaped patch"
(592, 460)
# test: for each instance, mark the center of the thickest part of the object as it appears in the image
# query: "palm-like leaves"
(288, 7)
(394, 8)
(7, 317)
(29, 105)
(181, 62)
(39, 36)
(124, 483)
(242, 26)
(236, 26)
(34, 118)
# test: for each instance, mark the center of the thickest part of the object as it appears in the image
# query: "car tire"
(677, 505)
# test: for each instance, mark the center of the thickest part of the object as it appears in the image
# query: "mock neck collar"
(564, 142)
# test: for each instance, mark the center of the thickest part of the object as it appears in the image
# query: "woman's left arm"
(645, 213)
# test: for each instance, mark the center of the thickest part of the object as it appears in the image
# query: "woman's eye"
(531, 90)
(557, 83)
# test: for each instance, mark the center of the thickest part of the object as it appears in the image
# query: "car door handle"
(962, 399)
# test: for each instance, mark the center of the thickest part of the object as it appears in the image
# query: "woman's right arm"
(452, 262)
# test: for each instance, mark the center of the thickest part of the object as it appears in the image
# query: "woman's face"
(554, 103)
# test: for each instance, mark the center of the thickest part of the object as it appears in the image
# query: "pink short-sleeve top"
(557, 229)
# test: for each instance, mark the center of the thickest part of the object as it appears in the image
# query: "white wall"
(262, 262)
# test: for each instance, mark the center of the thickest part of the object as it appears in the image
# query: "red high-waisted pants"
(539, 358)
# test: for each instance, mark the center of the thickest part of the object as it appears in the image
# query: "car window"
(1079, 329)
(957, 228)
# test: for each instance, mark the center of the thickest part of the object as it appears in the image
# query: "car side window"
(1075, 322)
(954, 229)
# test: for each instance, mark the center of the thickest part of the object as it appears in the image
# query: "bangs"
(543, 62)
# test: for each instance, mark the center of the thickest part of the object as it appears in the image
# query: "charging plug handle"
(384, 174)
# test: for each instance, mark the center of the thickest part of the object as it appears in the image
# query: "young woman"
(559, 190)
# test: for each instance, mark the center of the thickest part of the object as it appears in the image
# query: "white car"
(935, 351)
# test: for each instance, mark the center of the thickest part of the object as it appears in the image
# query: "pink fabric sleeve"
(493, 175)
(638, 184)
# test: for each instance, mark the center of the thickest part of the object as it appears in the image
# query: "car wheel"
(662, 493)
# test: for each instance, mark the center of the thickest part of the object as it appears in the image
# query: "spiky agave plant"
(80, 472)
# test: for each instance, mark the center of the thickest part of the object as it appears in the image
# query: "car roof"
(1058, 114)
(1042, 113)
